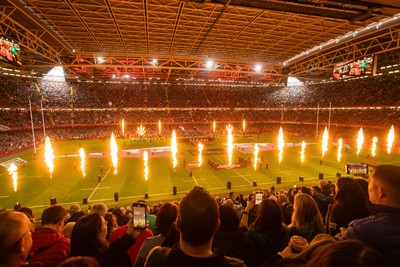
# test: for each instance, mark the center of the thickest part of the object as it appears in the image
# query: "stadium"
(121, 101)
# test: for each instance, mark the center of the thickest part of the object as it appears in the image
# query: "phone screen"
(139, 216)
(259, 197)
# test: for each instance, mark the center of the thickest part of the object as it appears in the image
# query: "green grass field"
(35, 187)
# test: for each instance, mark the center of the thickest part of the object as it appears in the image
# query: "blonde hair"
(306, 213)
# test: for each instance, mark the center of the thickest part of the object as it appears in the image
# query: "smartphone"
(259, 198)
(356, 168)
(139, 215)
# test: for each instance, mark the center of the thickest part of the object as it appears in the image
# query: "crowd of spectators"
(88, 110)
(285, 228)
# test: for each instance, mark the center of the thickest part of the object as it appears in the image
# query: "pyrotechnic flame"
(114, 153)
(200, 159)
(83, 160)
(49, 156)
(229, 128)
(141, 131)
(214, 126)
(12, 170)
(159, 127)
(325, 138)
(339, 150)
(123, 127)
(373, 148)
(303, 148)
(174, 149)
(146, 165)
(360, 141)
(390, 139)
(281, 144)
(244, 125)
(256, 150)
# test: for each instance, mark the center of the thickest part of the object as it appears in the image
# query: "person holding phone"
(139, 223)
(268, 234)
(88, 238)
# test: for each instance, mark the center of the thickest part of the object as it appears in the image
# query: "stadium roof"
(169, 41)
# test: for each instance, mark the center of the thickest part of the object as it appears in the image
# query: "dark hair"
(229, 219)
(86, 239)
(305, 190)
(351, 198)
(166, 216)
(269, 217)
(111, 220)
(197, 217)
(53, 214)
(27, 211)
(317, 189)
(363, 184)
(79, 262)
(347, 253)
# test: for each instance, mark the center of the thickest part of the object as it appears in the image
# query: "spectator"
(197, 222)
(133, 250)
(349, 253)
(381, 230)
(287, 207)
(99, 208)
(112, 224)
(306, 219)
(320, 199)
(325, 188)
(267, 235)
(230, 238)
(50, 247)
(74, 213)
(88, 238)
(16, 240)
(166, 216)
(350, 204)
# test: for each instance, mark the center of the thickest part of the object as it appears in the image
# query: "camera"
(356, 168)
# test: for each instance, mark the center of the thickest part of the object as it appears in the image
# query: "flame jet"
(49, 156)
(229, 128)
(256, 150)
(114, 153)
(373, 148)
(281, 144)
(390, 139)
(82, 155)
(325, 138)
(174, 149)
(12, 170)
(200, 159)
(303, 148)
(360, 141)
(339, 150)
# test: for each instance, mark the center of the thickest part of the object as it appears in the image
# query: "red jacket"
(49, 247)
(134, 250)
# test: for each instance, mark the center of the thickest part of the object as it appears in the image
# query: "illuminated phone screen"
(139, 217)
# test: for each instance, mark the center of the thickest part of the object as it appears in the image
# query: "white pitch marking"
(98, 184)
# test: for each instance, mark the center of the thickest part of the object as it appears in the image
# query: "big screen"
(10, 51)
(353, 68)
